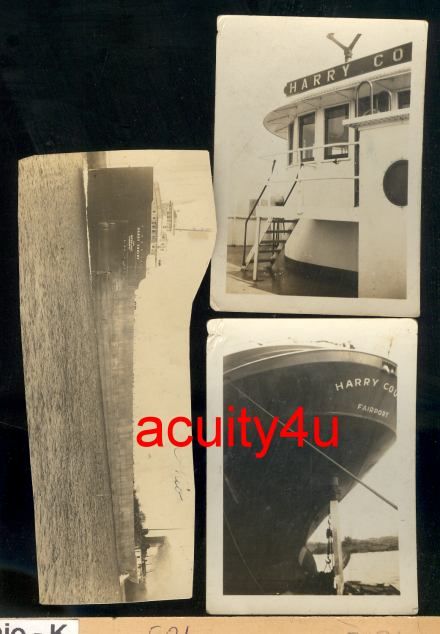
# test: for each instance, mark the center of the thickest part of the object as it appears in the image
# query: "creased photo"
(318, 149)
(311, 491)
(106, 291)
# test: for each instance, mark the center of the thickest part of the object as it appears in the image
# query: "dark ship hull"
(272, 505)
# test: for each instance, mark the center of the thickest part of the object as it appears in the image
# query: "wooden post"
(337, 537)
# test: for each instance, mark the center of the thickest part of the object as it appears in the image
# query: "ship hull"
(119, 227)
(273, 504)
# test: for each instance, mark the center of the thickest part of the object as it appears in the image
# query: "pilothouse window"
(335, 132)
(307, 136)
(381, 103)
(403, 99)
(290, 144)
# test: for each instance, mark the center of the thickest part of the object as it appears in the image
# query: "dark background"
(127, 74)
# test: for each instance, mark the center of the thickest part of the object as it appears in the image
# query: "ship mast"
(348, 50)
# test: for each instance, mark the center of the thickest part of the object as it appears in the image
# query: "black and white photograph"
(311, 495)
(106, 297)
(318, 156)
(219, 317)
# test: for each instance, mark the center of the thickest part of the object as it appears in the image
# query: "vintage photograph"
(106, 295)
(313, 488)
(318, 145)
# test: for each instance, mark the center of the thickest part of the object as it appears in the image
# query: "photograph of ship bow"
(282, 514)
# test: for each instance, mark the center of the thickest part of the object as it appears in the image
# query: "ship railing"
(298, 179)
(252, 211)
(312, 163)
(299, 164)
(257, 202)
(320, 178)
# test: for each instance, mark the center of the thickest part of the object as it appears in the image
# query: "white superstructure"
(337, 194)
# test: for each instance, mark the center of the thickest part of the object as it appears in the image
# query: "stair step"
(277, 242)
(279, 231)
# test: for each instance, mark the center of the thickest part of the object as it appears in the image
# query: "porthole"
(395, 183)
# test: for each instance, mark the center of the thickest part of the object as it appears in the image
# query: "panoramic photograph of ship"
(95, 230)
(282, 527)
(326, 213)
(129, 226)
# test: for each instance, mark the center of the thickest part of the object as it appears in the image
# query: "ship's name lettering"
(369, 409)
(365, 382)
(382, 59)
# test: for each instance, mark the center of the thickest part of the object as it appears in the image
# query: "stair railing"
(293, 186)
(258, 200)
(254, 206)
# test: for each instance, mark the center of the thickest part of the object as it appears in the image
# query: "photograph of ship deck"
(94, 229)
(324, 193)
(273, 506)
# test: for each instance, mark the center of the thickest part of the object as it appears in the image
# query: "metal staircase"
(272, 232)
(273, 235)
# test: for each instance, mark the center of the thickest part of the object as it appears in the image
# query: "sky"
(185, 178)
(362, 514)
(163, 476)
(182, 176)
(163, 305)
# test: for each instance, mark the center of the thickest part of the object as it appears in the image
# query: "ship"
(272, 505)
(119, 202)
(333, 211)
(119, 221)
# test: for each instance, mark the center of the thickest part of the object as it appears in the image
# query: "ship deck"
(285, 279)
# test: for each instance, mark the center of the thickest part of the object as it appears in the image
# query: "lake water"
(74, 524)
(377, 567)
